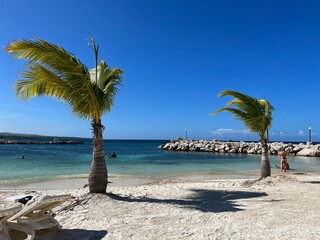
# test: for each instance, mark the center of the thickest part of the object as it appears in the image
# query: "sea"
(23, 163)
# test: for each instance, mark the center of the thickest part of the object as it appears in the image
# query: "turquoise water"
(135, 159)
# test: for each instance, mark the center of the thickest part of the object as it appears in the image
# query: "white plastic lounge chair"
(4, 215)
(37, 215)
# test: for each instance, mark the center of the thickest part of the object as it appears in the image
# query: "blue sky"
(177, 56)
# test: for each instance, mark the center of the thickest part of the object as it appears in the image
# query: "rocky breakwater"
(300, 149)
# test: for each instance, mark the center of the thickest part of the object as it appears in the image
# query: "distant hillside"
(7, 135)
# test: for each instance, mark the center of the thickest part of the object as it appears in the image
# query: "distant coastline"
(39, 142)
(8, 135)
(17, 138)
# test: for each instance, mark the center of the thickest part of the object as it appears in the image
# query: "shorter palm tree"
(256, 114)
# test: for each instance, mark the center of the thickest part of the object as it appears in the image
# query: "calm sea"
(135, 159)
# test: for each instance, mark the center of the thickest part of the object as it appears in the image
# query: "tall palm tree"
(54, 72)
(256, 116)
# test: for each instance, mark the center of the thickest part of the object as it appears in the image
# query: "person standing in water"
(284, 166)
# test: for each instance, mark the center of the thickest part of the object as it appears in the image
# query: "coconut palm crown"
(52, 71)
(256, 114)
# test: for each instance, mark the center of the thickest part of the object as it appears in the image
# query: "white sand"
(280, 207)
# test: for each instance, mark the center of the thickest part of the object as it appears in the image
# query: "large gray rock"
(309, 152)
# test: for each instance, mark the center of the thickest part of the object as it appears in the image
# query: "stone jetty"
(3, 141)
(215, 146)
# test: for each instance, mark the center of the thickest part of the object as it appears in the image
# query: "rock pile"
(300, 149)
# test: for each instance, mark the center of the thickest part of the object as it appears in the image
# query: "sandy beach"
(285, 206)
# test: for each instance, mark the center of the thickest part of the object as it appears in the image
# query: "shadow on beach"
(72, 234)
(312, 182)
(202, 200)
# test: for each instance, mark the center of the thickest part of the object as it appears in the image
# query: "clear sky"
(177, 56)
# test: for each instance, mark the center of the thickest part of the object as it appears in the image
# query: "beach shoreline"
(282, 206)
(119, 181)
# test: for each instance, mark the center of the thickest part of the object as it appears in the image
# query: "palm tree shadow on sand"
(312, 182)
(75, 234)
(200, 199)
(63, 234)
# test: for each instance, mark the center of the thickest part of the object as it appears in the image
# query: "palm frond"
(35, 83)
(52, 71)
(107, 84)
(46, 53)
(255, 114)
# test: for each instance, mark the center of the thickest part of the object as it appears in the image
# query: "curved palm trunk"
(98, 177)
(265, 163)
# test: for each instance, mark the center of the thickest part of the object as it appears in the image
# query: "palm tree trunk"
(98, 177)
(265, 163)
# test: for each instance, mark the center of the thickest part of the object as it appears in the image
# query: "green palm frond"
(107, 84)
(255, 114)
(46, 53)
(52, 71)
(35, 83)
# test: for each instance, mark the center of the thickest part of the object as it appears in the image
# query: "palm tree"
(54, 72)
(256, 116)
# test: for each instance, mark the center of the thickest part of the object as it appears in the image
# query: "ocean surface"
(135, 158)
